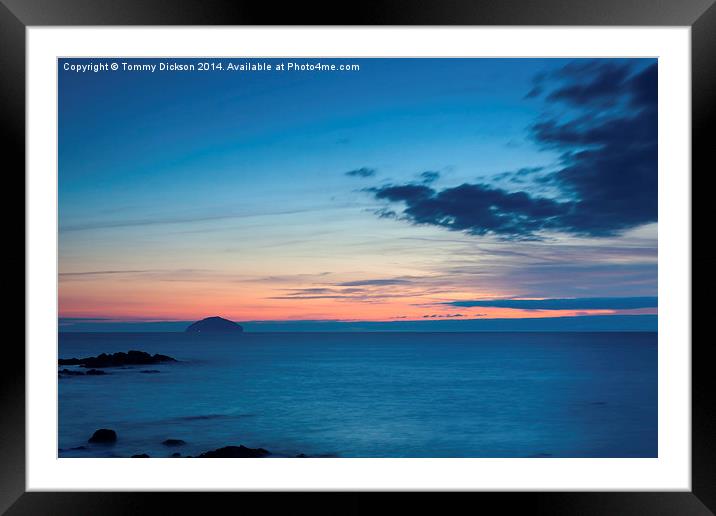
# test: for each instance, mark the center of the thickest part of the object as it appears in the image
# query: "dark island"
(214, 325)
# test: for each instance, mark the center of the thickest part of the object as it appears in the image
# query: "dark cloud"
(517, 176)
(591, 83)
(408, 193)
(609, 161)
(429, 176)
(361, 172)
(607, 174)
(536, 91)
(586, 303)
(477, 209)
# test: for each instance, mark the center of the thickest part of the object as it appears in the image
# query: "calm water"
(370, 394)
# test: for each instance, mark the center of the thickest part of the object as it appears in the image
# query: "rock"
(214, 325)
(69, 361)
(103, 435)
(69, 372)
(233, 452)
(149, 371)
(173, 442)
(117, 360)
(91, 372)
(140, 456)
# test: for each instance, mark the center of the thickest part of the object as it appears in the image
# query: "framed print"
(423, 249)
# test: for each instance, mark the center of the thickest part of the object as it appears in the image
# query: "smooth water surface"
(369, 394)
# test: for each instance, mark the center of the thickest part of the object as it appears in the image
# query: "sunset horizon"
(379, 194)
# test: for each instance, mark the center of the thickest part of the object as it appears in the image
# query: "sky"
(406, 190)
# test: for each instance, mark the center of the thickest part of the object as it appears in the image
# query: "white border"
(671, 471)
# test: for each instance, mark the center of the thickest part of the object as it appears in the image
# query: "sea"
(367, 394)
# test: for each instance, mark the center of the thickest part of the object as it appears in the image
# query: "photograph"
(359, 257)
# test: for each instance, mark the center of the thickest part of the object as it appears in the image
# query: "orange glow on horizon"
(259, 305)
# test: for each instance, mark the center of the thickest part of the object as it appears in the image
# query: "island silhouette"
(214, 325)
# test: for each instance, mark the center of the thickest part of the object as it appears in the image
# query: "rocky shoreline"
(120, 359)
(108, 437)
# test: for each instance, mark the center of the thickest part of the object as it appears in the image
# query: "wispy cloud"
(101, 273)
(585, 303)
(368, 290)
(189, 219)
(362, 172)
(175, 275)
(375, 282)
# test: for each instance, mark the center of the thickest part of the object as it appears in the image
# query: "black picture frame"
(17, 15)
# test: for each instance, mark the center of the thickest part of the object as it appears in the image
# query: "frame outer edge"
(385, 12)
(12, 133)
(12, 102)
(703, 109)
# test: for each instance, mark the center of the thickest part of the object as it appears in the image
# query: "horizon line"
(582, 323)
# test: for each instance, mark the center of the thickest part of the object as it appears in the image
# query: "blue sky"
(161, 129)
(188, 194)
